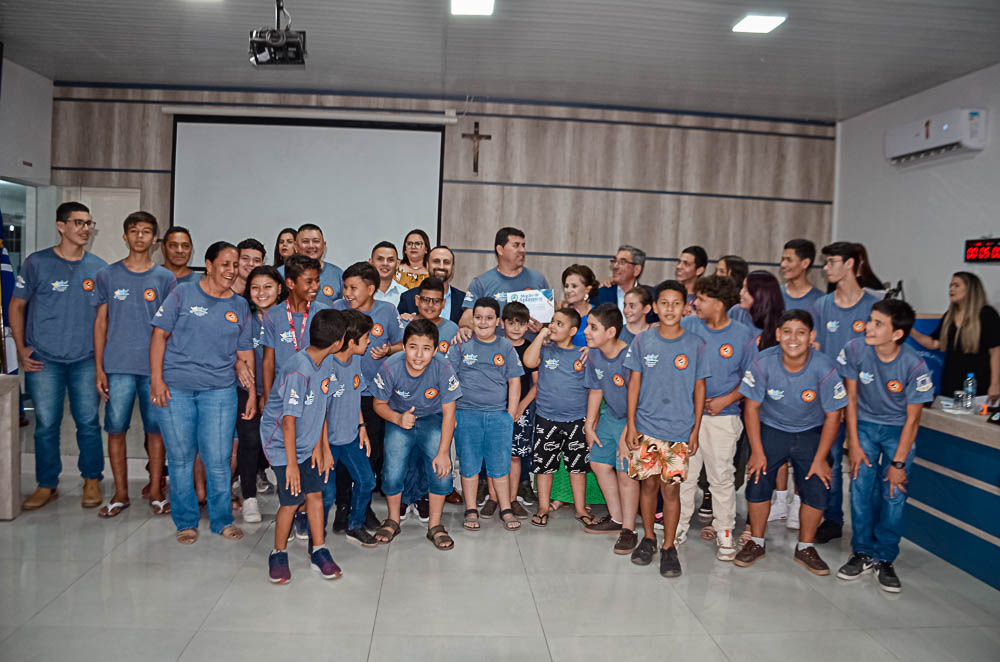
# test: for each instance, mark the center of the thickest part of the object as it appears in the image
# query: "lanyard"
(291, 323)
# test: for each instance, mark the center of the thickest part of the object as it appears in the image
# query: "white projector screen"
(241, 178)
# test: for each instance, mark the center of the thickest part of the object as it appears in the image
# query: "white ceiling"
(832, 59)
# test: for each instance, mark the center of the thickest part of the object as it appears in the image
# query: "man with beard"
(441, 264)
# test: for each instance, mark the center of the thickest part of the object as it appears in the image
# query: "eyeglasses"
(414, 244)
(431, 300)
(620, 263)
(832, 261)
(80, 223)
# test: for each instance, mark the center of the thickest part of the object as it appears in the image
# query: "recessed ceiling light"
(472, 7)
(758, 23)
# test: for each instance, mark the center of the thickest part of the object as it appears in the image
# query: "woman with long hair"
(760, 306)
(284, 246)
(579, 286)
(412, 267)
(969, 336)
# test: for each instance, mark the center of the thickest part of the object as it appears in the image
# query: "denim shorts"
(609, 431)
(484, 436)
(780, 447)
(310, 479)
(122, 391)
(424, 439)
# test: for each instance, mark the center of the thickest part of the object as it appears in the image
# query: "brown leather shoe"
(40, 497)
(454, 498)
(809, 557)
(92, 496)
(749, 555)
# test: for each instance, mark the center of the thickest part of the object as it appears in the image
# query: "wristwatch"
(897, 464)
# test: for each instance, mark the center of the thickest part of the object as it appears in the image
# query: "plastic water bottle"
(969, 386)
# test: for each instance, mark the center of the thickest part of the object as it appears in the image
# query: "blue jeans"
(484, 436)
(415, 486)
(360, 469)
(424, 439)
(122, 391)
(199, 423)
(877, 518)
(48, 389)
(834, 511)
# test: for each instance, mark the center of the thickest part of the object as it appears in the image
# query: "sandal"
(161, 507)
(187, 536)
(512, 524)
(707, 533)
(470, 523)
(540, 520)
(586, 519)
(387, 531)
(113, 509)
(232, 533)
(439, 536)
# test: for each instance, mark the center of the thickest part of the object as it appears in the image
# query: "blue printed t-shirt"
(301, 390)
(483, 368)
(331, 283)
(885, 389)
(281, 337)
(437, 385)
(496, 285)
(626, 336)
(804, 302)
(610, 376)
(192, 277)
(132, 299)
(205, 334)
(343, 407)
(562, 395)
(741, 315)
(59, 324)
(727, 351)
(387, 329)
(669, 370)
(447, 330)
(835, 325)
(793, 401)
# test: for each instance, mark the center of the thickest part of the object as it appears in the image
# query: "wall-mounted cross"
(475, 137)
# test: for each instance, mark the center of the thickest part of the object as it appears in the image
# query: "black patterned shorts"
(524, 432)
(555, 438)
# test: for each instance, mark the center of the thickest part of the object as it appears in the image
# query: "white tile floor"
(74, 586)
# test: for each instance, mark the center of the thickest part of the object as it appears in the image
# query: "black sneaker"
(301, 526)
(423, 510)
(525, 494)
(340, 518)
(627, 540)
(705, 509)
(362, 538)
(887, 578)
(482, 493)
(827, 531)
(404, 511)
(856, 566)
(371, 522)
(643, 554)
(670, 565)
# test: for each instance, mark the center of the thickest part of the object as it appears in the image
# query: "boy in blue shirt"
(561, 407)
(349, 443)
(294, 433)
(490, 372)
(361, 280)
(127, 295)
(607, 379)
(415, 392)
(839, 317)
(666, 397)
(797, 257)
(728, 345)
(52, 323)
(793, 401)
(887, 385)
(515, 319)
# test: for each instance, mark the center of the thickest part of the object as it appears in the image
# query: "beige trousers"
(717, 439)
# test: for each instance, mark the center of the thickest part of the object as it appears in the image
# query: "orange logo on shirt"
(858, 326)
(578, 366)
(757, 341)
(231, 317)
(498, 360)
(328, 290)
(430, 393)
(808, 395)
(377, 330)
(443, 346)
(149, 295)
(325, 386)
(88, 285)
(681, 362)
(895, 386)
(726, 351)
(357, 382)
(618, 380)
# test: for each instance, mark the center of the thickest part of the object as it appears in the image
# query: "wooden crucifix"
(475, 137)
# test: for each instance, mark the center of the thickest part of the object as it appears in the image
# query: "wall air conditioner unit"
(958, 131)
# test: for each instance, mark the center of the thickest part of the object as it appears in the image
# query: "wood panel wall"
(579, 181)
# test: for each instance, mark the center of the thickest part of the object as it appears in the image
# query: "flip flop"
(161, 507)
(113, 509)
(540, 520)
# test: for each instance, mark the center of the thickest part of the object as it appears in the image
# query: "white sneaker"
(726, 546)
(779, 510)
(793, 513)
(251, 511)
(681, 537)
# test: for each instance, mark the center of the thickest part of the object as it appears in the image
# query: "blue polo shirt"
(804, 302)
(886, 388)
(483, 369)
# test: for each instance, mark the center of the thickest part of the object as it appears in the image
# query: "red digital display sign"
(982, 250)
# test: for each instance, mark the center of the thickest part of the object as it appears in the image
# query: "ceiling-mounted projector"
(278, 45)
